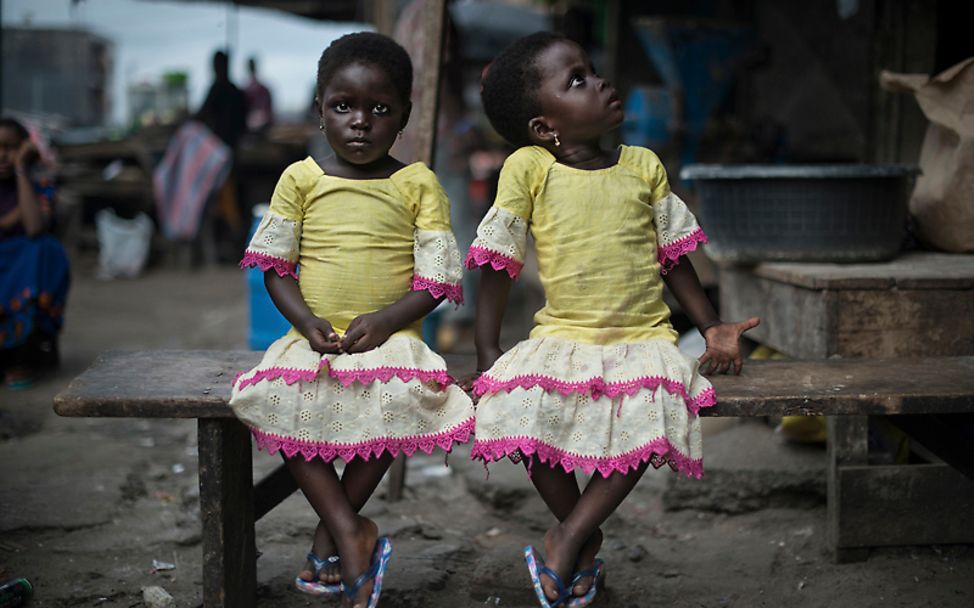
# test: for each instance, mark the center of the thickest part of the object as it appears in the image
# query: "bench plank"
(196, 384)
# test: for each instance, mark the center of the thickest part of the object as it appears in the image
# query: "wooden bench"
(196, 384)
(911, 306)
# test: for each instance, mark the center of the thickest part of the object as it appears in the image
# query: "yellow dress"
(600, 383)
(355, 246)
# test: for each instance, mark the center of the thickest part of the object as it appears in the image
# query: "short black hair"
(372, 49)
(16, 126)
(509, 91)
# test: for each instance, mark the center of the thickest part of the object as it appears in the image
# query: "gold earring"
(557, 142)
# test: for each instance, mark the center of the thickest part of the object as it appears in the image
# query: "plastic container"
(266, 322)
(802, 213)
(15, 592)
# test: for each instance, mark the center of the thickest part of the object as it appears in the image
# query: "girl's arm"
(29, 206)
(371, 330)
(492, 292)
(286, 295)
(10, 219)
(723, 339)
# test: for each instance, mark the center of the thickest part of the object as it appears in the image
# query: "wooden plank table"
(919, 304)
(196, 384)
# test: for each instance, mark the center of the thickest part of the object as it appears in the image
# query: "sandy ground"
(86, 505)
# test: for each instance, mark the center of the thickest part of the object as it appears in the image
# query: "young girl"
(599, 385)
(352, 379)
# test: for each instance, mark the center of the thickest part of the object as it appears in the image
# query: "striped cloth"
(194, 167)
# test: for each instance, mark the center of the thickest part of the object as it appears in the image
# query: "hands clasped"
(724, 347)
(365, 332)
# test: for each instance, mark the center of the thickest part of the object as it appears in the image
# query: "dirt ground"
(87, 505)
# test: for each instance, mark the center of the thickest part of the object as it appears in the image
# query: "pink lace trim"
(478, 256)
(597, 387)
(347, 376)
(669, 255)
(365, 449)
(452, 291)
(264, 262)
(657, 452)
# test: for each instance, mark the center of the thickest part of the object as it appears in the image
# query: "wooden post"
(227, 513)
(434, 21)
(847, 445)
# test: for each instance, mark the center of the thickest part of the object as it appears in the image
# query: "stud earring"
(321, 126)
(400, 134)
(557, 142)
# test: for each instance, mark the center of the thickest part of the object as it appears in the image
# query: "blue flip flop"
(584, 600)
(380, 561)
(315, 586)
(536, 568)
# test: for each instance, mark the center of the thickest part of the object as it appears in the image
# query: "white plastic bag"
(123, 245)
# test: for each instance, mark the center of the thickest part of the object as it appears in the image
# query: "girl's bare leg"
(563, 544)
(560, 492)
(359, 482)
(354, 535)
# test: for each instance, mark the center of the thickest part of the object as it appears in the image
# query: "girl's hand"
(26, 155)
(366, 332)
(466, 384)
(486, 357)
(321, 336)
(723, 346)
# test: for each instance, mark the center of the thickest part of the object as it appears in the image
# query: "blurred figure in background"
(260, 107)
(225, 113)
(34, 270)
(225, 109)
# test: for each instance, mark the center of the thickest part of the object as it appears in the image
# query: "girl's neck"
(584, 156)
(380, 169)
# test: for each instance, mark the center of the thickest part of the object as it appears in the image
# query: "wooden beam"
(434, 21)
(926, 504)
(273, 490)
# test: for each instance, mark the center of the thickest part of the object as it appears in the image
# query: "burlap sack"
(943, 199)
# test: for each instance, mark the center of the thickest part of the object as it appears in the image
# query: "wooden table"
(920, 304)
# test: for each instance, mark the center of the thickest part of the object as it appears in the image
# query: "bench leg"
(397, 478)
(848, 444)
(227, 511)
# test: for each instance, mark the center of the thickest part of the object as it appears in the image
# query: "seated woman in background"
(34, 271)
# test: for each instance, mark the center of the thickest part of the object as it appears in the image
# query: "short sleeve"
(502, 235)
(436, 256)
(677, 230)
(276, 242)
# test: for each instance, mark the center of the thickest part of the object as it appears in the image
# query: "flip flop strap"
(319, 564)
(564, 593)
(352, 590)
(582, 574)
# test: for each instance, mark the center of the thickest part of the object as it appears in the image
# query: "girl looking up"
(600, 384)
(356, 249)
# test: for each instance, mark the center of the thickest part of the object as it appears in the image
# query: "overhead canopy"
(323, 10)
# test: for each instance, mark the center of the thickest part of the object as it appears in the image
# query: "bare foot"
(356, 551)
(560, 555)
(586, 560)
(323, 547)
